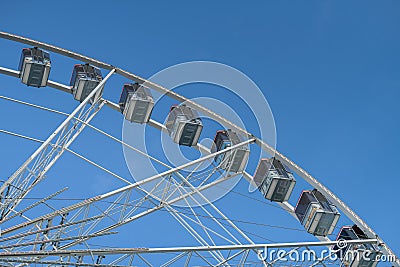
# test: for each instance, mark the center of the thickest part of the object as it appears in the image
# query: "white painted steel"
(292, 165)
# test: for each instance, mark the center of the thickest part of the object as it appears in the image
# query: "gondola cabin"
(34, 67)
(274, 180)
(356, 255)
(184, 125)
(316, 213)
(136, 103)
(234, 160)
(84, 80)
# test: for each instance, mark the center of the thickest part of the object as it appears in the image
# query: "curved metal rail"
(267, 148)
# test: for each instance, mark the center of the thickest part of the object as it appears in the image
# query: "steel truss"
(43, 237)
(101, 214)
(34, 169)
(278, 254)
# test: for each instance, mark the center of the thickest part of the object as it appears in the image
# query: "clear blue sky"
(329, 69)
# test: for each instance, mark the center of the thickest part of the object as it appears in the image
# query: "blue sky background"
(329, 70)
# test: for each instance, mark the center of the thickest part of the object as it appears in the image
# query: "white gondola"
(136, 103)
(184, 125)
(84, 80)
(34, 67)
(316, 213)
(360, 255)
(274, 180)
(234, 160)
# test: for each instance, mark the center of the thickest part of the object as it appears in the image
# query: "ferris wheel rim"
(353, 216)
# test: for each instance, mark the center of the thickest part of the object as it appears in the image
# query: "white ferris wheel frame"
(82, 116)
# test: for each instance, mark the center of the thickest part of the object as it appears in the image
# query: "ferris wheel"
(62, 237)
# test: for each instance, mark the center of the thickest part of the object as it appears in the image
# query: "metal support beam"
(34, 169)
(144, 250)
(297, 169)
(127, 255)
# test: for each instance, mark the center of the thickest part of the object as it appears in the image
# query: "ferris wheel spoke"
(185, 221)
(194, 233)
(19, 213)
(184, 181)
(301, 172)
(122, 208)
(208, 216)
(114, 106)
(80, 207)
(186, 255)
(35, 168)
(224, 217)
(52, 240)
(46, 229)
(19, 185)
(150, 210)
(205, 228)
(229, 258)
(175, 259)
